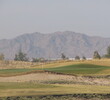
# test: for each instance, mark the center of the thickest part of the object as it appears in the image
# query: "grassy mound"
(81, 69)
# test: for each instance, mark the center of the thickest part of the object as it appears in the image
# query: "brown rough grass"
(20, 64)
(15, 64)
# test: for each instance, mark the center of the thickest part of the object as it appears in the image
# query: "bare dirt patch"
(45, 77)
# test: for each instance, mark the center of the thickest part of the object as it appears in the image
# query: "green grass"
(80, 69)
(25, 88)
(31, 89)
(77, 69)
(11, 72)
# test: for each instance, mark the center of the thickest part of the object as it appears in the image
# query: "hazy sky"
(91, 17)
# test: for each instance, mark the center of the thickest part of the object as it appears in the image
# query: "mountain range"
(51, 45)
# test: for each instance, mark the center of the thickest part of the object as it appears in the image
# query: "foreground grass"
(82, 69)
(29, 89)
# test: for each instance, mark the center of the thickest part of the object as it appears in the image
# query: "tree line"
(96, 55)
(20, 56)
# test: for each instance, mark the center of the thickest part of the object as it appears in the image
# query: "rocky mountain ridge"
(52, 45)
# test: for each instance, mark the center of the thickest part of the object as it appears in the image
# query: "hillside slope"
(52, 45)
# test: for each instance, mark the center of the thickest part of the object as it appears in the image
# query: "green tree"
(108, 53)
(96, 55)
(63, 56)
(83, 58)
(37, 59)
(21, 56)
(77, 58)
(2, 57)
(108, 50)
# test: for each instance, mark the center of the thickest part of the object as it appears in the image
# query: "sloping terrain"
(78, 73)
(34, 82)
(52, 45)
(81, 69)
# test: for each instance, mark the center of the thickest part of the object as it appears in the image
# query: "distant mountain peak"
(52, 45)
